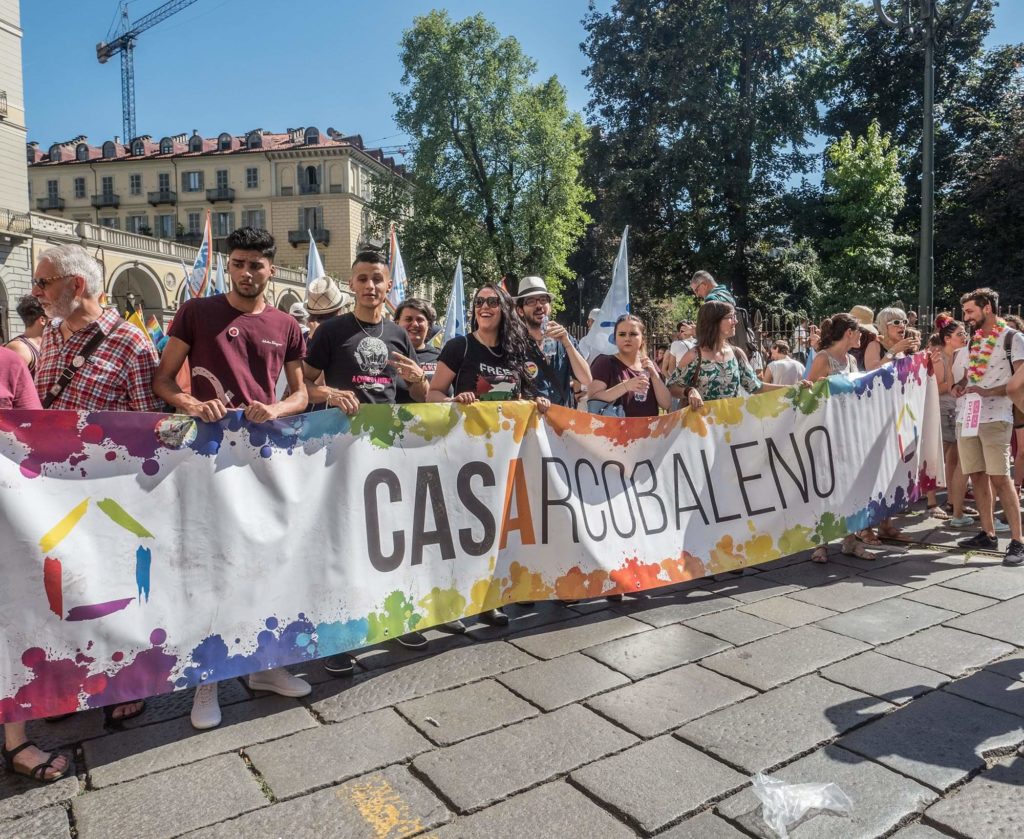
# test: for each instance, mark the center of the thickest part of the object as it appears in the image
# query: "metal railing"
(163, 196)
(309, 189)
(106, 199)
(50, 202)
(221, 193)
(321, 235)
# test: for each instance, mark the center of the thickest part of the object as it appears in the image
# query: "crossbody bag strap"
(77, 363)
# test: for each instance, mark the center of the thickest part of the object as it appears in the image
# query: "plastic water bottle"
(641, 395)
(548, 345)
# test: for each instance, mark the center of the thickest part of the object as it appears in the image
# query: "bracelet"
(422, 378)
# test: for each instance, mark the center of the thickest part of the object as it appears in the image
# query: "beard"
(257, 291)
(63, 307)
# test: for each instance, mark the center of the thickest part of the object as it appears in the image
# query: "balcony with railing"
(309, 189)
(50, 202)
(321, 236)
(191, 239)
(163, 196)
(106, 199)
(221, 193)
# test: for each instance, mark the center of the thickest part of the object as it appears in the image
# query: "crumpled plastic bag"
(783, 805)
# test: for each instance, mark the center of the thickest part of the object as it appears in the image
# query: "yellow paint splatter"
(55, 535)
(768, 403)
(526, 585)
(442, 605)
(761, 549)
(480, 419)
(485, 593)
(727, 411)
(431, 421)
(694, 421)
(385, 811)
(490, 449)
(725, 556)
(795, 539)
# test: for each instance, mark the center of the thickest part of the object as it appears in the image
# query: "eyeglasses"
(902, 322)
(540, 298)
(489, 302)
(43, 282)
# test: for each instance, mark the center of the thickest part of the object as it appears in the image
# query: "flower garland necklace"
(980, 354)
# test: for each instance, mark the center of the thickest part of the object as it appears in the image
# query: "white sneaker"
(279, 681)
(206, 707)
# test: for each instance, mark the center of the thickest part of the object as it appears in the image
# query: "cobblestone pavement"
(901, 679)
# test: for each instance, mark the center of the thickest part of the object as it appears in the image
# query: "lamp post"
(579, 282)
(918, 20)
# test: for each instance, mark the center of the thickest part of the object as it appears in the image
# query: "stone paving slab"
(919, 831)
(384, 805)
(882, 556)
(775, 727)
(169, 803)
(809, 574)
(705, 826)
(751, 589)
(663, 702)
(735, 626)
(1004, 622)
(333, 753)
(887, 678)
(124, 755)
(522, 618)
(675, 607)
(881, 798)
(575, 635)
(51, 823)
(991, 689)
(946, 650)
(457, 714)
(990, 805)
(391, 653)
(656, 650)
(844, 595)
(938, 739)
(561, 681)
(20, 795)
(997, 581)
(885, 620)
(341, 699)
(922, 571)
(486, 769)
(786, 611)
(658, 782)
(1011, 667)
(950, 598)
(552, 811)
(780, 658)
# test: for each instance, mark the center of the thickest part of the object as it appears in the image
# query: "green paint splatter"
(397, 618)
(117, 514)
(795, 539)
(808, 400)
(384, 423)
(430, 421)
(830, 527)
(768, 404)
(442, 605)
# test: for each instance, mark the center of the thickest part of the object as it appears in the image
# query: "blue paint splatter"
(143, 562)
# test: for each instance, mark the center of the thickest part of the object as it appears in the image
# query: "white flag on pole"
(455, 317)
(314, 267)
(219, 286)
(399, 280)
(601, 337)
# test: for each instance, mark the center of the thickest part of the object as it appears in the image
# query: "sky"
(235, 65)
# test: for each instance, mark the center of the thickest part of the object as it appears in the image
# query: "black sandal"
(110, 721)
(36, 773)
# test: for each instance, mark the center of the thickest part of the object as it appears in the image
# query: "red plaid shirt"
(118, 375)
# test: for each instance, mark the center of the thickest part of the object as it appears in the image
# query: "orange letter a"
(523, 522)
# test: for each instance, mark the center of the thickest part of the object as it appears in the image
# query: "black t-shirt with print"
(427, 360)
(356, 356)
(480, 369)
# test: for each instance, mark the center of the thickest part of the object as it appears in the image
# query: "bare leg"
(983, 501)
(1002, 485)
(956, 481)
(15, 735)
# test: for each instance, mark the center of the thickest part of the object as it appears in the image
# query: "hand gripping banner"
(145, 553)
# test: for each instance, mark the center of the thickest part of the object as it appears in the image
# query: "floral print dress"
(716, 379)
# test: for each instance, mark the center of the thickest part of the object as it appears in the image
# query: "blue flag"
(601, 337)
(455, 317)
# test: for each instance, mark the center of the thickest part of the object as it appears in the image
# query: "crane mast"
(122, 41)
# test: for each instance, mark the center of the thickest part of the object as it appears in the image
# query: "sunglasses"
(42, 282)
(902, 322)
(489, 302)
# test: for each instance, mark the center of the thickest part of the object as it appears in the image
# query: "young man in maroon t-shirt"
(236, 345)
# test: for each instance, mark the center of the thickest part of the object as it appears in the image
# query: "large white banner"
(144, 553)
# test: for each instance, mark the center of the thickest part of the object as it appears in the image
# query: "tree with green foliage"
(864, 193)
(705, 109)
(495, 160)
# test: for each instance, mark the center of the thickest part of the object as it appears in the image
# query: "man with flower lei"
(984, 372)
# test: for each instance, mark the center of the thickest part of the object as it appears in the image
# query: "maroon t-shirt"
(17, 390)
(235, 356)
(611, 371)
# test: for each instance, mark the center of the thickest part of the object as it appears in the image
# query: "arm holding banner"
(295, 402)
(166, 387)
(320, 394)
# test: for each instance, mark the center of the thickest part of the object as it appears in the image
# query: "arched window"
(311, 175)
(54, 153)
(195, 143)
(81, 152)
(224, 142)
(138, 148)
(254, 140)
(312, 137)
(109, 150)
(166, 146)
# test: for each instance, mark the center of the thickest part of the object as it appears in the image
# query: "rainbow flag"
(154, 330)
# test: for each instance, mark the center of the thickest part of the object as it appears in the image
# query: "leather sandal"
(868, 536)
(38, 772)
(110, 721)
(853, 547)
(820, 554)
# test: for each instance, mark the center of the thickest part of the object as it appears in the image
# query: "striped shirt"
(118, 375)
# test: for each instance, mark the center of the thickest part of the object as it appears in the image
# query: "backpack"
(745, 337)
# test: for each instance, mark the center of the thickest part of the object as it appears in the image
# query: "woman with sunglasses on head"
(494, 362)
(627, 378)
(715, 369)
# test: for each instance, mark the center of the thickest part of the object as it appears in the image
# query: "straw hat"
(323, 296)
(865, 317)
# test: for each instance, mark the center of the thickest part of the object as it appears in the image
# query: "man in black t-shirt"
(362, 356)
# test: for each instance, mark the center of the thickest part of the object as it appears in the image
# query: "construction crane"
(121, 39)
